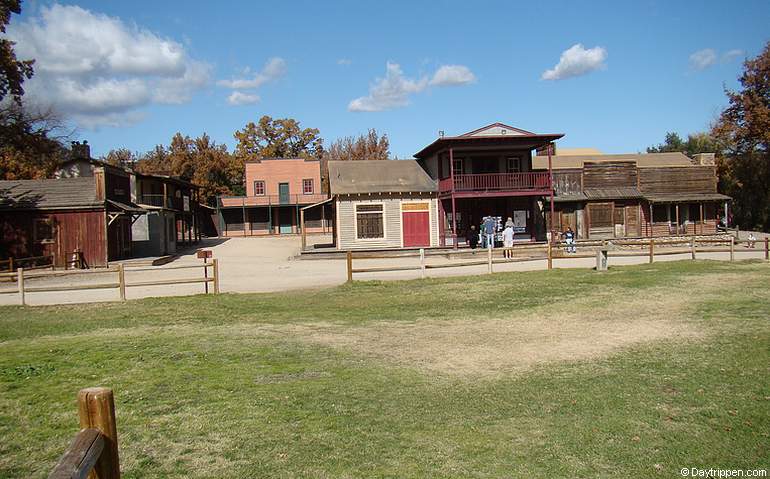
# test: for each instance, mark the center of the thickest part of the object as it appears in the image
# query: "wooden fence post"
(20, 280)
(122, 281)
(350, 266)
(96, 407)
(732, 248)
(550, 255)
(489, 258)
(692, 247)
(767, 248)
(10, 261)
(422, 263)
(215, 274)
(652, 249)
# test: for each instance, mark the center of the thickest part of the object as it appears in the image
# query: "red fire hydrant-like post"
(205, 254)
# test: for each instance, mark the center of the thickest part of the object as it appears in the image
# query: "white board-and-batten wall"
(347, 237)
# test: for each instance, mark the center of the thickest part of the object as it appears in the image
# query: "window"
(513, 164)
(259, 188)
(307, 186)
(44, 231)
(660, 213)
(457, 166)
(369, 222)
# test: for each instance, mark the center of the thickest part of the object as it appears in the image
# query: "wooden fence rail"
(20, 276)
(553, 251)
(94, 450)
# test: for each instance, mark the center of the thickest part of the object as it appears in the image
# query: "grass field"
(637, 372)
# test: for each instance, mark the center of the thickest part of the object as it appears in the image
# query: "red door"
(416, 224)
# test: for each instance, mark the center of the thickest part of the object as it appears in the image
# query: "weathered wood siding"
(692, 179)
(393, 238)
(84, 230)
(615, 174)
(567, 183)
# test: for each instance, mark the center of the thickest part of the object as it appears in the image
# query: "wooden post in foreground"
(215, 274)
(692, 247)
(20, 280)
(652, 249)
(122, 281)
(550, 255)
(422, 263)
(767, 248)
(96, 407)
(350, 266)
(302, 226)
(732, 248)
(489, 258)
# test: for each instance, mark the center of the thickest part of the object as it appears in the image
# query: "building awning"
(316, 204)
(685, 197)
(127, 208)
(612, 193)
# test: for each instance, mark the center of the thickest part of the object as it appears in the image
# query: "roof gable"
(498, 129)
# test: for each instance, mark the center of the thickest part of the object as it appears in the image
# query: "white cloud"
(240, 98)
(394, 89)
(576, 61)
(731, 55)
(344, 61)
(273, 69)
(100, 70)
(703, 59)
(451, 75)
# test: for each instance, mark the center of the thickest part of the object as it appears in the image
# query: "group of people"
(488, 229)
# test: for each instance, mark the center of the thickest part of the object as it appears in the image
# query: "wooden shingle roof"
(64, 193)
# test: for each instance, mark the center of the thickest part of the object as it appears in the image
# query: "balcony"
(271, 200)
(497, 184)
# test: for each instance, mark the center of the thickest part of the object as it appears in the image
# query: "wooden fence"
(20, 276)
(93, 451)
(30, 263)
(556, 251)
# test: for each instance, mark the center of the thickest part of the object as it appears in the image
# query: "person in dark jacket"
(472, 237)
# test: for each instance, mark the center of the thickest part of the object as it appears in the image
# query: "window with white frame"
(457, 166)
(370, 222)
(259, 188)
(513, 164)
(307, 186)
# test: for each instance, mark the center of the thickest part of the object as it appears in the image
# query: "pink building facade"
(276, 191)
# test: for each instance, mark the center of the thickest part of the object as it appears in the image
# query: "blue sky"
(131, 74)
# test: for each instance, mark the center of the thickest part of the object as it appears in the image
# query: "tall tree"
(696, 143)
(13, 72)
(121, 157)
(280, 138)
(31, 142)
(370, 146)
(743, 131)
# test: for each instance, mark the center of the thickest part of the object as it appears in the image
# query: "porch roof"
(527, 140)
(379, 176)
(685, 197)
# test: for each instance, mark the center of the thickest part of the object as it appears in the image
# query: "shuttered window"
(601, 215)
(369, 222)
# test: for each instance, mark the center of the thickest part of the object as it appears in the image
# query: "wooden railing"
(538, 181)
(552, 251)
(94, 449)
(20, 277)
(271, 200)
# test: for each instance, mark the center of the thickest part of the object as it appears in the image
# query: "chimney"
(704, 159)
(80, 151)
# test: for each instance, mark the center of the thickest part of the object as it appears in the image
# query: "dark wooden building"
(57, 217)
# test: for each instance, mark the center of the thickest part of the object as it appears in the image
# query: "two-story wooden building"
(276, 190)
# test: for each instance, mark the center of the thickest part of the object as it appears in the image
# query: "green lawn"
(637, 372)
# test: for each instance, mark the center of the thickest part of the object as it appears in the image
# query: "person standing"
(472, 237)
(489, 231)
(569, 237)
(508, 241)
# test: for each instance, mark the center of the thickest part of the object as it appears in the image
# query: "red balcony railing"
(497, 182)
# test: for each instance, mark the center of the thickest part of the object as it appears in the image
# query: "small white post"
(489, 257)
(20, 280)
(422, 263)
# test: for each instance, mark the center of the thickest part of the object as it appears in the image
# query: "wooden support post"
(692, 247)
(677, 218)
(20, 280)
(489, 257)
(10, 264)
(350, 266)
(302, 229)
(550, 255)
(422, 263)
(215, 275)
(652, 249)
(732, 248)
(96, 407)
(122, 281)
(767, 248)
